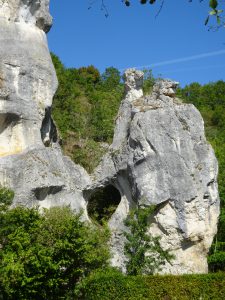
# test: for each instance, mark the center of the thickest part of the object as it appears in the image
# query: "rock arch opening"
(103, 203)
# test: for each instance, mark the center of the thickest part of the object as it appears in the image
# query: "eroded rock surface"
(160, 156)
(31, 162)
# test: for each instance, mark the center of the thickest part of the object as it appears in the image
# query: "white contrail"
(194, 69)
(183, 59)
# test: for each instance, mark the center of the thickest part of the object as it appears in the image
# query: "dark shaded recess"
(103, 203)
(49, 129)
(42, 192)
(8, 119)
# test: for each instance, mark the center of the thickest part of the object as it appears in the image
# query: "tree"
(143, 251)
(111, 78)
(44, 256)
(84, 108)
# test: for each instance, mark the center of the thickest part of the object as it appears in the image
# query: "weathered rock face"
(32, 12)
(37, 174)
(159, 153)
(27, 76)
(160, 156)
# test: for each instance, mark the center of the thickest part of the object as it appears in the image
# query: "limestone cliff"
(31, 162)
(159, 153)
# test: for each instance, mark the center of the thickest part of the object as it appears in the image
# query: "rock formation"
(160, 156)
(31, 162)
(159, 153)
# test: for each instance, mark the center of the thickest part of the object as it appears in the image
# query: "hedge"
(111, 284)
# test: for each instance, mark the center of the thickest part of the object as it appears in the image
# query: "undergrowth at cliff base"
(54, 255)
(44, 256)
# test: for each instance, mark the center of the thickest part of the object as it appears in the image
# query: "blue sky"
(174, 45)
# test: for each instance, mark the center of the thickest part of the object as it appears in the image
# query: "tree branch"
(160, 8)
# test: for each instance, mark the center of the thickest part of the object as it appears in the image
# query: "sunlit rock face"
(31, 12)
(160, 156)
(27, 76)
(31, 162)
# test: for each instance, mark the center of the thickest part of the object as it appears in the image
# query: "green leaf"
(218, 20)
(213, 4)
(212, 12)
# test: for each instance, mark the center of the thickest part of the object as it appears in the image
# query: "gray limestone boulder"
(160, 156)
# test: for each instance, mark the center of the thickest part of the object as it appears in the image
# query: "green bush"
(87, 153)
(143, 251)
(112, 285)
(6, 197)
(44, 256)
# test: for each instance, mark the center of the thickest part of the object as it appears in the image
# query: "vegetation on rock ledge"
(143, 251)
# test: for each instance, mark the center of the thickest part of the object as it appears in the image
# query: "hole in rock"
(42, 192)
(8, 120)
(103, 203)
(48, 129)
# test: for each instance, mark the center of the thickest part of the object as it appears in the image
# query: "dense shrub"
(143, 251)
(84, 108)
(6, 197)
(112, 285)
(44, 256)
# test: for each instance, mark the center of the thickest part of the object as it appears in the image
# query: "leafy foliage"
(110, 284)
(44, 256)
(149, 81)
(6, 197)
(144, 252)
(84, 109)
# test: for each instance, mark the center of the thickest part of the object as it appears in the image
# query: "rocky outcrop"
(159, 153)
(160, 156)
(31, 162)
